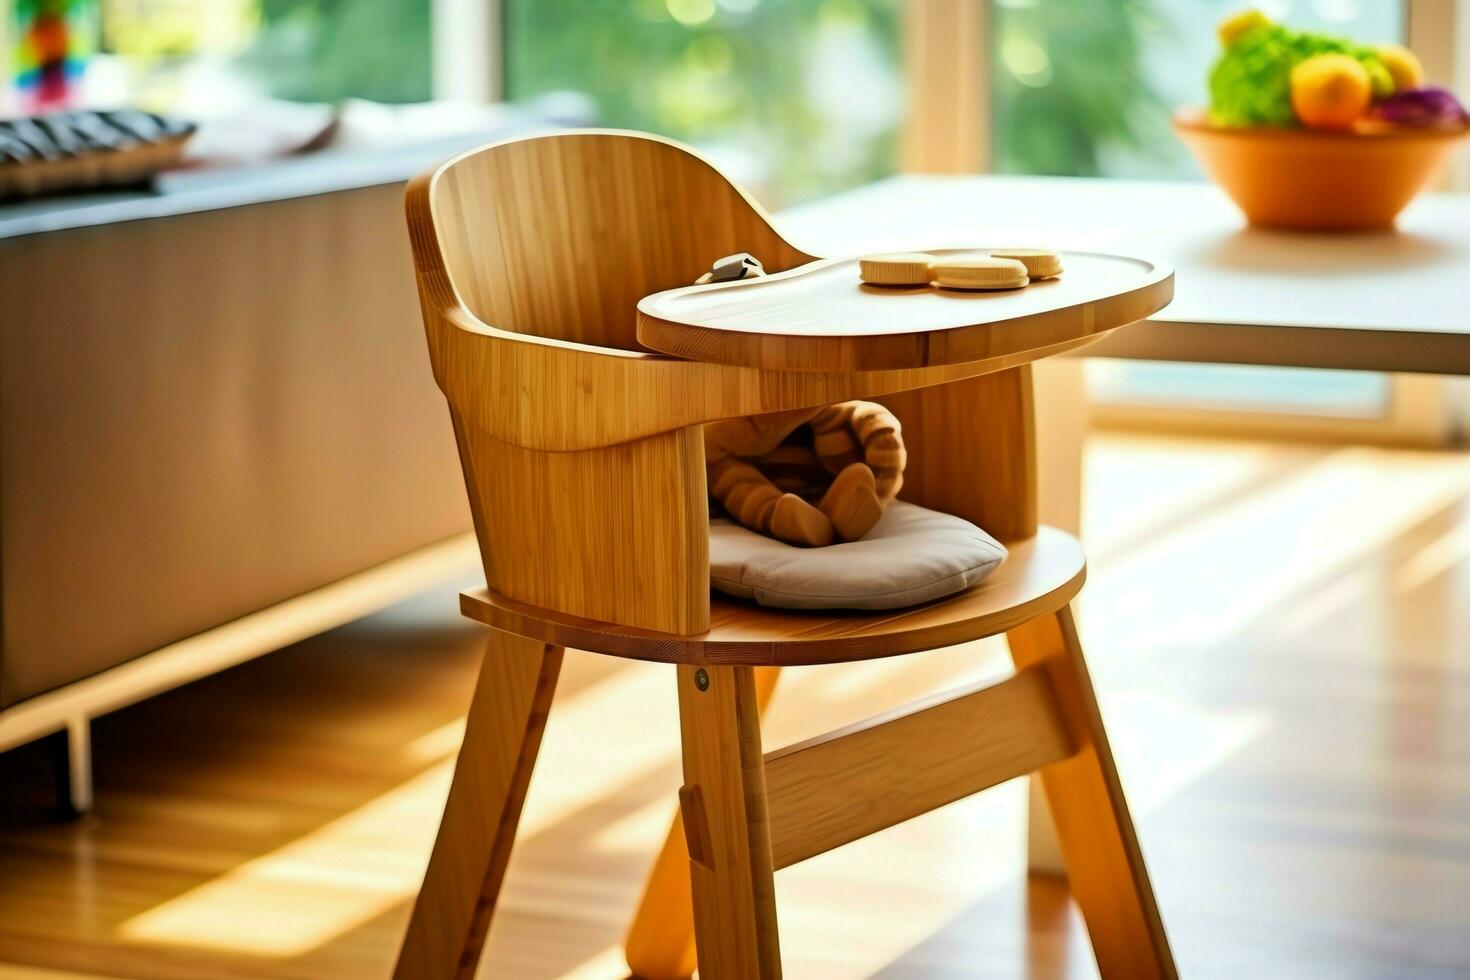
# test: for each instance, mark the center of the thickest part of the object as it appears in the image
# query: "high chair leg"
(507, 717)
(727, 825)
(660, 944)
(1103, 861)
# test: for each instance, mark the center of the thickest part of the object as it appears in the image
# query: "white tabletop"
(1375, 301)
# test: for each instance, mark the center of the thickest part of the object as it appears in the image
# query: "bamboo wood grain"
(660, 943)
(733, 886)
(587, 223)
(507, 717)
(485, 373)
(855, 781)
(971, 450)
(1104, 862)
(1040, 575)
(821, 317)
(617, 534)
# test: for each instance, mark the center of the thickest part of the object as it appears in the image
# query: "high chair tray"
(1041, 575)
(822, 317)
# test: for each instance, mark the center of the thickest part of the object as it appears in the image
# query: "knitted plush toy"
(810, 476)
(807, 476)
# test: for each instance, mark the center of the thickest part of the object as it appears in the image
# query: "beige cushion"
(912, 555)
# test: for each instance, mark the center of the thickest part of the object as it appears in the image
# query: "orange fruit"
(1330, 91)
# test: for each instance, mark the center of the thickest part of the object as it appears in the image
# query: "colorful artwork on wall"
(52, 41)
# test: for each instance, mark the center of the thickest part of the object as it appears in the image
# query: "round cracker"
(895, 269)
(980, 272)
(1039, 262)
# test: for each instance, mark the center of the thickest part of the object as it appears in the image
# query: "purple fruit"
(1422, 107)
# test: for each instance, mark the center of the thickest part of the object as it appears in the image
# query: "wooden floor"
(1281, 638)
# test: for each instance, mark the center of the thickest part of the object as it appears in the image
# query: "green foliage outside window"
(810, 88)
(797, 97)
(329, 50)
(1068, 85)
(1067, 79)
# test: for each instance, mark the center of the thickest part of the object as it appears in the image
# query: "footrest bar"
(855, 781)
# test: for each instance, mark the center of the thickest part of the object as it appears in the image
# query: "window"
(1085, 88)
(329, 50)
(795, 98)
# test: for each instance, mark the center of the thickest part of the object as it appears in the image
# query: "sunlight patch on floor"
(1134, 484)
(607, 964)
(344, 873)
(297, 897)
(1251, 555)
(439, 743)
(626, 724)
(1310, 612)
(634, 829)
(1165, 743)
(1434, 559)
(928, 872)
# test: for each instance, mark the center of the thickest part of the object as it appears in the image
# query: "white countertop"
(1395, 300)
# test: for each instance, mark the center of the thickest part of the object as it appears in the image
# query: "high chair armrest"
(549, 394)
(618, 533)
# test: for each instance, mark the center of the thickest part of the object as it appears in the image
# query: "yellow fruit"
(1403, 67)
(1232, 27)
(1330, 91)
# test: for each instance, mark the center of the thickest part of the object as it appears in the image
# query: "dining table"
(1395, 300)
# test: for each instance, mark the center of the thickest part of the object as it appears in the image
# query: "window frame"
(1439, 33)
(467, 59)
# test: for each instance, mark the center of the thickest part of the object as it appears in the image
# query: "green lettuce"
(1250, 84)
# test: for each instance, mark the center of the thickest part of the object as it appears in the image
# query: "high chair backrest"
(583, 455)
(561, 236)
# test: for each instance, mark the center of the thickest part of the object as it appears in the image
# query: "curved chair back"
(561, 236)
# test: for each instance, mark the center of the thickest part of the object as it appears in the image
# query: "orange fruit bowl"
(1318, 180)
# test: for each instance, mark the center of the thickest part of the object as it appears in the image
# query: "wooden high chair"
(583, 456)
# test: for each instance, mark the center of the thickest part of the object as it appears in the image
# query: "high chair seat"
(911, 556)
(1040, 576)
